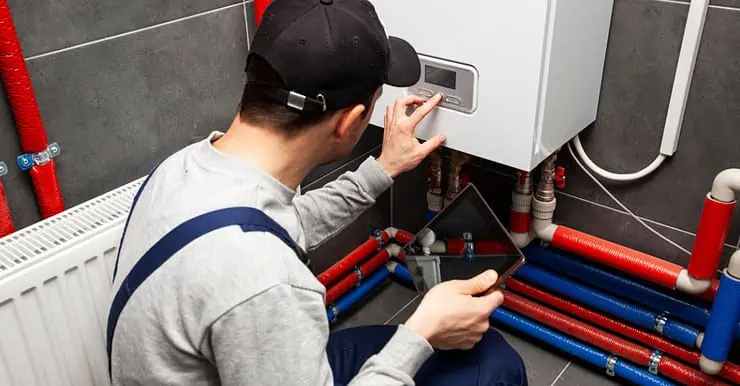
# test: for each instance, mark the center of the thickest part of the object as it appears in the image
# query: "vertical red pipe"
(710, 238)
(6, 221)
(259, 10)
(25, 109)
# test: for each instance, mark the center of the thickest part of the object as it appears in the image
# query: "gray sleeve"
(326, 211)
(286, 344)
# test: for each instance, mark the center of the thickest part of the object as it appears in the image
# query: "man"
(201, 301)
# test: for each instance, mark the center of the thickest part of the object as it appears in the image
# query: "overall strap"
(249, 219)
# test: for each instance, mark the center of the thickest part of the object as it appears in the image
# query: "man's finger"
(491, 301)
(429, 146)
(478, 284)
(426, 108)
(399, 108)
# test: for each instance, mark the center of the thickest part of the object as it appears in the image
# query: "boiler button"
(453, 100)
(425, 93)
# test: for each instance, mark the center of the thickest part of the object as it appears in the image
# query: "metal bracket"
(378, 236)
(611, 364)
(335, 313)
(660, 323)
(469, 247)
(27, 161)
(360, 277)
(655, 358)
(3, 169)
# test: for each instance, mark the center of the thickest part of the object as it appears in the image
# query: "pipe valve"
(560, 177)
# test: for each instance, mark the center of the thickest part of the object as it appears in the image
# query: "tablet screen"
(463, 240)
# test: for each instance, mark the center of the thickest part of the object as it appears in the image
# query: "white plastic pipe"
(725, 185)
(684, 74)
(616, 176)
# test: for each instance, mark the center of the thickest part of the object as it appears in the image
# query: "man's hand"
(401, 150)
(451, 318)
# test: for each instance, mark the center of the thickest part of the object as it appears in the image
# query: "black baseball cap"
(330, 54)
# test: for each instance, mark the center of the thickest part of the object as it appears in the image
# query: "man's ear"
(348, 121)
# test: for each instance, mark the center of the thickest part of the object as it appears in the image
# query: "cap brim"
(404, 68)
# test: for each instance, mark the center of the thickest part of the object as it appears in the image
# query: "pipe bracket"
(379, 236)
(611, 364)
(655, 358)
(360, 277)
(660, 323)
(3, 169)
(27, 161)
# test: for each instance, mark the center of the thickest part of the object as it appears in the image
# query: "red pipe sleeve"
(351, 260)
(46, 186)
(350, 281)
(403, 237)
(520, 222)
(730, 371)
(259, 10)
(628, 260)
(24, 106)
(6, 220)
(608, 342)
(710, 238)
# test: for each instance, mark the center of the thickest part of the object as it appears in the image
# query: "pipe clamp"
(655, 358)
(27, 161)
(334, 313)
(469, 247)
(660, 323)
(611, 364)
(360, 277)
(3, 169)
(379, 236)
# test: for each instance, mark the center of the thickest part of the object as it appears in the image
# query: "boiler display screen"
(440, 77)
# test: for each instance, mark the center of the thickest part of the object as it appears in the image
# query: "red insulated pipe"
(628, 260)
(403, 237)
(351, 280)
(608, 342)
(6, 221)
(483, 247)
(710, 238)
(354, 258)
(520, 222)
(730, 371)
(25, 109)
(711, 292)
(259, 10)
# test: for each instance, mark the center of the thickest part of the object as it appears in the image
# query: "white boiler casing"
(520, 77)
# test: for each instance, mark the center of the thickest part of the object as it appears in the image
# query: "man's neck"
(288, 160)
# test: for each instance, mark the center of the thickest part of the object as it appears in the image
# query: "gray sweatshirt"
(235, 308)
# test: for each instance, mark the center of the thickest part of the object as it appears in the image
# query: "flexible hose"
(573, 347)
(618, 256)
(604, 340)
(350, 281)
(730, 371)
(710, 238)
(620, 308)
(340, 268)
(616, 176)
(617, 285)
(24, 106)
(6, 220)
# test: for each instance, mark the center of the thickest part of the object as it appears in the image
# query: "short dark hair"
(258, 109)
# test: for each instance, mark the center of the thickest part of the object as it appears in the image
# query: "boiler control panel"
(458, 83)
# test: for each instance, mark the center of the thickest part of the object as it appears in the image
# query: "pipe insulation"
(723, 320)
(352, 298)
(686, 335)
(24, 106)
(625, 259)
(710, 238)
(610, 343)
(260, 6)
(403, 237)
(354, 278)
(6, 220)
(340, 268)
(618, 285)
(400, 272)
(730, 371)
(612, 364)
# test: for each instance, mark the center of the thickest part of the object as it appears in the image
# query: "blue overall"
(492, 362)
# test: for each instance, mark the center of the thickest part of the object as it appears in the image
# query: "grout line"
(151, 27)
(654, 222)
(401, 310)
(246, 23)
(326, 175)
(561, 373)
(723, 7)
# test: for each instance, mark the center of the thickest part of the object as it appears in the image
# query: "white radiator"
(55, 285)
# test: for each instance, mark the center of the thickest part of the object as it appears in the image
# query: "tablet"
(465, 239)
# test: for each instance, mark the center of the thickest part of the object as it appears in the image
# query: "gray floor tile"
(584, 375)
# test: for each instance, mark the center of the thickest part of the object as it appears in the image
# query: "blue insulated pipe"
(357, 294)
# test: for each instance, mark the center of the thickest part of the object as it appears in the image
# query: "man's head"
(318, 66)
